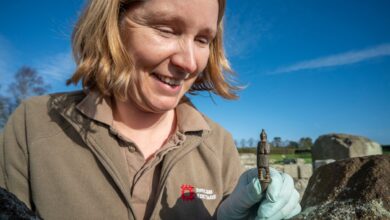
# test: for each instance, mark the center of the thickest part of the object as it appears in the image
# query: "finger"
(270, 207)
(247, 176)
(249, 192)
(277, 184)
(252, 187)
(246, 194)
(252, 192)
(290, 209)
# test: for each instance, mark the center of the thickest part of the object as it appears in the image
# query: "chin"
(163, 105)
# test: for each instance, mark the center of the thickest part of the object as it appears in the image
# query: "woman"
(131, 145)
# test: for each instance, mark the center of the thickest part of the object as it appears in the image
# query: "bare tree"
(5, 110)
(27, 83)
(251, 142)
(293, 144)
(277, 142)
(305, 142)
(243, 142)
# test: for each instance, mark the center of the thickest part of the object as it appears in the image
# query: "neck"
(148, 130)
(128, 114)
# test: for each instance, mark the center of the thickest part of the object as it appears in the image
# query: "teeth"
(168, 80)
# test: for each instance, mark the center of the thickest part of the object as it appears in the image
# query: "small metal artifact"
(263, 150)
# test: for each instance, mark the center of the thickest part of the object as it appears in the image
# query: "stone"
(300, 186)
(278, 167)
(300, 161)
(248, 160)
(355, 188)
(292, 170)
(289, 161)
(318, 163)
(342, 146)
(305, 171)
(272, 161)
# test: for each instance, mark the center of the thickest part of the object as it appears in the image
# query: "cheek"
(147, 49)
(189, 83)
(203, 59)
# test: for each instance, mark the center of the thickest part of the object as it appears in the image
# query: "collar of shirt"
(98, 108)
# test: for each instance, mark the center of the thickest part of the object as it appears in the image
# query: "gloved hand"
(280, 201)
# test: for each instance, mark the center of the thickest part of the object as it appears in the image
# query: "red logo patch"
(187, 192)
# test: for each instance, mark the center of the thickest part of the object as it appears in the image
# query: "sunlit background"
(309, 67)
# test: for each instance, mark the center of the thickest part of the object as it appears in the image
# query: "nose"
(184, 58)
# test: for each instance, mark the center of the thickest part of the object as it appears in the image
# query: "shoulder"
(218, 138)
(40, 109)
(192, 119)
(47, 102)
(221, 142)
(39, 116)
(217, 130)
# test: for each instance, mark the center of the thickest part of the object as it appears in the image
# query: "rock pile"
(356, 188)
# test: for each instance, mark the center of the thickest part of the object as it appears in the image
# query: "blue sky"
(310, 67)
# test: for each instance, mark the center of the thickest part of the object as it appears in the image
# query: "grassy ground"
(278, 158)
(280, 154)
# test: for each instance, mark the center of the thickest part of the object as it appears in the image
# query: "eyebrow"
(164, 16)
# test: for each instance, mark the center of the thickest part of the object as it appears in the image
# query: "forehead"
(196, 13)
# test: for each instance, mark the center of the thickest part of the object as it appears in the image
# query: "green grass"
(278, 158)
(278, 154)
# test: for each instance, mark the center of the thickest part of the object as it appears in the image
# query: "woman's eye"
(203, 40)
(165, 30)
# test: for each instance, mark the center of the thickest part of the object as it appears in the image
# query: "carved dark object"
(263, 150)
(12, 208)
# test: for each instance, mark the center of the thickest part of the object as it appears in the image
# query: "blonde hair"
(104, 64)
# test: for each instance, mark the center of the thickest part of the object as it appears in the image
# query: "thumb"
(249, 189)
(246, 194)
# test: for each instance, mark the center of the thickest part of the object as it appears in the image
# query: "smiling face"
(168, 42)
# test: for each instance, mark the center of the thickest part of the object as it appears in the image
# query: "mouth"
(168, 80)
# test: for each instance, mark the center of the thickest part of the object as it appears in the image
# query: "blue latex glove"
(280, 201)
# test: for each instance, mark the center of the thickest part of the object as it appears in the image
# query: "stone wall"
(299, 171)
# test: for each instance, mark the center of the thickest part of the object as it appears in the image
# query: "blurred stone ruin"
(349, 178)
(332, 147)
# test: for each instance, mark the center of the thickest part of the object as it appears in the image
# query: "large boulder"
(355, 188)
(342, 146)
